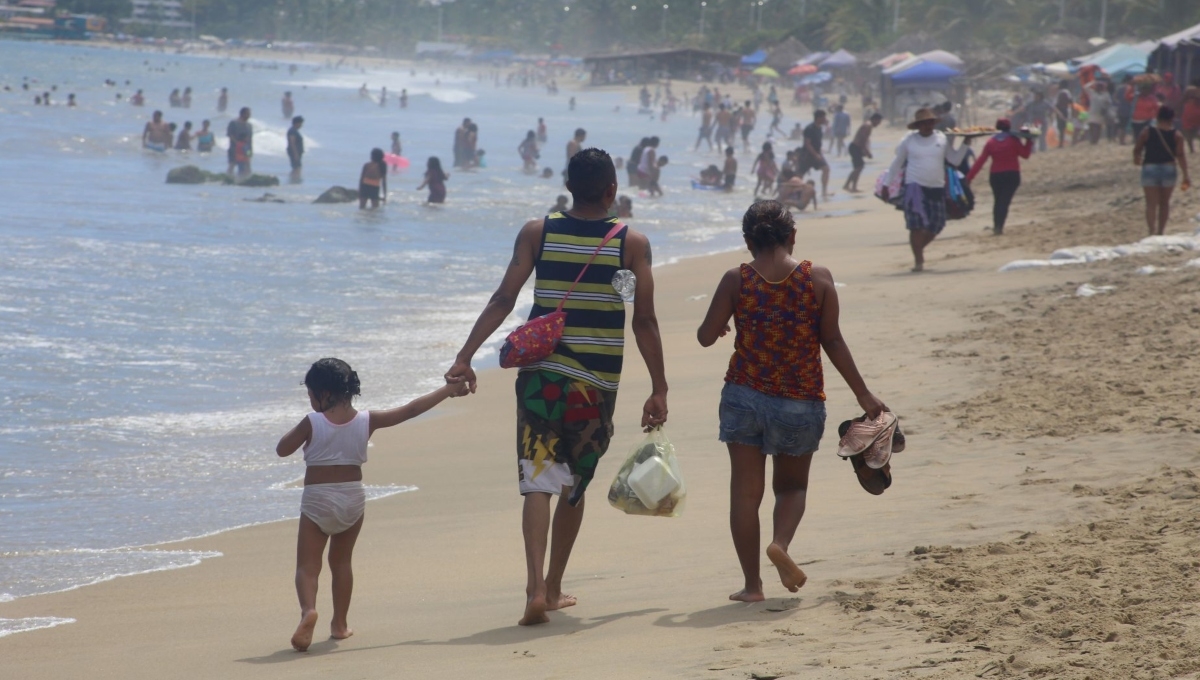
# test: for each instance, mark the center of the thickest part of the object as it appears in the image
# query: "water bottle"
(625, 283)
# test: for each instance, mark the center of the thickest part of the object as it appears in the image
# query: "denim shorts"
(776, 425)
(1159, 175)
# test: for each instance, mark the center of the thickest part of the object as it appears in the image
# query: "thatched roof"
(1054, 47)
(782, 56)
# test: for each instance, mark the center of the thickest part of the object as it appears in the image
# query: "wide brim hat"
(921, 116)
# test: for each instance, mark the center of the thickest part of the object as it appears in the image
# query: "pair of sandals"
(869, 445)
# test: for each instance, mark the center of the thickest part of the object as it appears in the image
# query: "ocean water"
(153, 337)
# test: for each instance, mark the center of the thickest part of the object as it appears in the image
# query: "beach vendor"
(785, 312)
(1005, 151)
(565, 401)
(922, 157)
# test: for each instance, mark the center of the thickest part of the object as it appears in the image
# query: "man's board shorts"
(856, 157)
(809, 162)
(564, 426)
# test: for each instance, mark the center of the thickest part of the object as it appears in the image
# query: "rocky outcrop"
(254, 180)
(190, 174)
(338, 195)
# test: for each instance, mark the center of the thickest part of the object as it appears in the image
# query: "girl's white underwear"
(334, 507)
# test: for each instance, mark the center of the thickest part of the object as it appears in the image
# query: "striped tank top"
(778, 345)
(593, 340)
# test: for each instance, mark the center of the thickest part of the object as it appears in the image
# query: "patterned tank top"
(778, 345)
(593, 341)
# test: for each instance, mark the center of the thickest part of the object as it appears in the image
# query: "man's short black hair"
(819, 113)
(589, 174)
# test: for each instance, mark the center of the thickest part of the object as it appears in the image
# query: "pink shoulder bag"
(537, 338)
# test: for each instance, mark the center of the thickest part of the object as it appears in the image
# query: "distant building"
(158, 13)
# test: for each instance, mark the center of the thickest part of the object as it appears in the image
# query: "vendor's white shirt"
(926, 158)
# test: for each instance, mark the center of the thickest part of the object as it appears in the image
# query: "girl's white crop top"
(338, 444)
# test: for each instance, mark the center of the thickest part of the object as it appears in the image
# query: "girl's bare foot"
(340, 632)
(302, 638)
(559, 601)
(535, 611)
(748, 595)
(790, 574)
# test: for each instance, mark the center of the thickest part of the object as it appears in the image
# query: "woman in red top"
(773, 403)
(1145, 107)
(1190, 121)
(1006, 152)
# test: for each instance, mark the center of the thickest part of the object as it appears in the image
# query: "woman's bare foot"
(535, 611)
(790, 574)
(302, 638)
(559, 601)
(748, 595)
(340, 632)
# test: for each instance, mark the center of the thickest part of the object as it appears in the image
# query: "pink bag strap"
(608, 237)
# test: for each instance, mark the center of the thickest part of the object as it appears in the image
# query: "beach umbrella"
(802, 70)
(766, 72)
(816, 78)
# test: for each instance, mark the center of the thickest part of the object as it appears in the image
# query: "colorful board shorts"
(564, 426)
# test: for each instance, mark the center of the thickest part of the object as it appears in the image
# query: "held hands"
(654, 413)
(461, 373)
(459, 389)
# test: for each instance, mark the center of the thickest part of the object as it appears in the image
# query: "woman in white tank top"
(334, 437)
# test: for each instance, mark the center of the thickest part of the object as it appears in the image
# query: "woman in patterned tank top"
(773, 403)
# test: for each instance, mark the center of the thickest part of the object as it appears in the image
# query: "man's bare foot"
(535, 611)
(340, 632)
(302, 638)
(748, 595)
(790, 574)
(918, 268)
(560, 601)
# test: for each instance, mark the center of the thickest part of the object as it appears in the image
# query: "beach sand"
(1042, 521)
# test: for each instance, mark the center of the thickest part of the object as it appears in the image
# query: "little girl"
(334, 438)
(372, 182)
(435, 179)
(765, 169)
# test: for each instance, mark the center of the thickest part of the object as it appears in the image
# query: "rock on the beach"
(337, 194)
(190, 174)
(253, 180)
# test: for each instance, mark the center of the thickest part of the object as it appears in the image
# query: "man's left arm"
(640, 260)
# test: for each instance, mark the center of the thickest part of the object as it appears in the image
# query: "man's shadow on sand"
(561, 624)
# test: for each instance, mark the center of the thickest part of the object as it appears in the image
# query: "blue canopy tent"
(1116, 60)
(897, 89)
(925, 73)
(755, 59)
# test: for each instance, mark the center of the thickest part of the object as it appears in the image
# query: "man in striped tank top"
(565, 402)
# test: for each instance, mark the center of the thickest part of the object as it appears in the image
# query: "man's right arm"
(501, 303)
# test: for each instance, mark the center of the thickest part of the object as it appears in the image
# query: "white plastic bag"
(650, 481)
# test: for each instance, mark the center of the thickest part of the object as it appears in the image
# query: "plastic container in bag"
(650, 481)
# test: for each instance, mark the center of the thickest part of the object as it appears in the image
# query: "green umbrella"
(766, 71)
